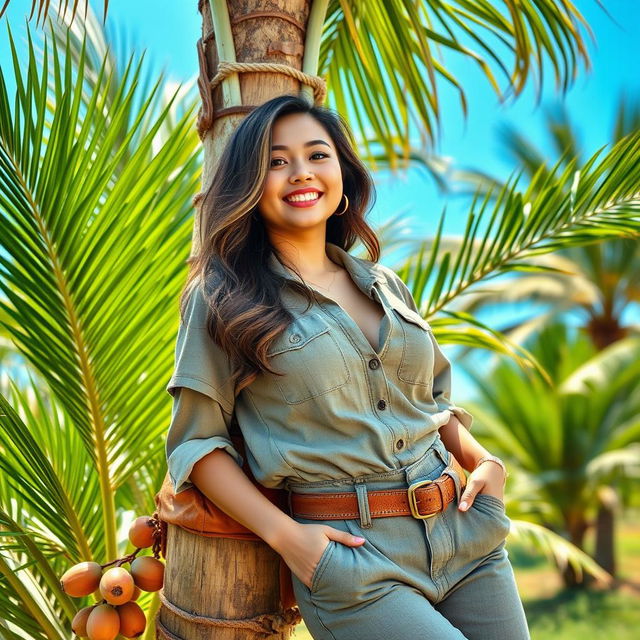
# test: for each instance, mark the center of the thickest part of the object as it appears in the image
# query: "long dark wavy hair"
(245, 311)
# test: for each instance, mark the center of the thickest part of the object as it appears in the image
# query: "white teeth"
(305, 197)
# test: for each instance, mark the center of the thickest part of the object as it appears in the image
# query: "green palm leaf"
(22, 605)
(603, 202)
(50, 512)
(95, 226)
(384, 64)
(49, 475)
(557, 549)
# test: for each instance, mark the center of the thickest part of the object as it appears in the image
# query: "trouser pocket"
(322, 565)
(479, 530)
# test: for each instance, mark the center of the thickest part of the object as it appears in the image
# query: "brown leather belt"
(423, 499)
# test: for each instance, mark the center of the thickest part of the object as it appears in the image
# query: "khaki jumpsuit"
(346, 415)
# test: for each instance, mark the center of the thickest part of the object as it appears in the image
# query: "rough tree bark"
(223, 577)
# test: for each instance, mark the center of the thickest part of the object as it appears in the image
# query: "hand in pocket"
(487, 478)
(305, 545)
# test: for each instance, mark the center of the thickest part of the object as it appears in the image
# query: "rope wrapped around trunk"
(267, 623)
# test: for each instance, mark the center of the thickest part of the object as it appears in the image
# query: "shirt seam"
(219, 398)
(272, 440)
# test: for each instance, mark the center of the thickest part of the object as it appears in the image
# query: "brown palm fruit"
(141, 532)
(117, 585)
(79, 622)
(132, 619)
(82, 579)
(103, 623)
(136, 592)
(148, 573)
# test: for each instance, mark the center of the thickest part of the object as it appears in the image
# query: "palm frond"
(474, 333)
(44, 7)
(557, 549)
(50, 512)
(603, 201)
(23, 606)
(59, 494)
(108, 72)
(385, 64)
(93, 252)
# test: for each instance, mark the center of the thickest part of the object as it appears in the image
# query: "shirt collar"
(363, 272)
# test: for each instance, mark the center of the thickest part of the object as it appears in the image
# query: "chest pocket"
(309, 355)
(416, 360)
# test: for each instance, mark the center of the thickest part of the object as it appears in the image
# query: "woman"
(342, 396)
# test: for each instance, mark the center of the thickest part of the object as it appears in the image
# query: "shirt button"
(381, 404)
(399, 444)
(374, 363)
(294, 337)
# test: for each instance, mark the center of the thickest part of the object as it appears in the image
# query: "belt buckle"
(413, 505)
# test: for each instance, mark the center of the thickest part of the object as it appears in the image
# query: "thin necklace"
(332, 279)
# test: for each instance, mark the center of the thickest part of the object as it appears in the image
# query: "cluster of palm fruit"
(117, 613)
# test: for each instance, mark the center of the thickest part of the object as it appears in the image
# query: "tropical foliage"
(558, 209)
(596, 283)
(384, 60)
(95, 228)
(594, 286)
(96, 179)
(567, 441)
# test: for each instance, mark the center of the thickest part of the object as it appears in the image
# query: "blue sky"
(168, 31)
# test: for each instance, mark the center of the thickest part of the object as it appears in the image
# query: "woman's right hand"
(304, 544)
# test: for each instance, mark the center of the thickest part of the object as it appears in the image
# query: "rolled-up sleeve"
(441, 366)
(198, 427)
(203, 396)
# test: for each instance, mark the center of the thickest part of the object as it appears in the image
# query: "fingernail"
(358, 539)
(463, 505)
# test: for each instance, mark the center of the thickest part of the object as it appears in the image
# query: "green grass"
(575, 616)
(555, 613)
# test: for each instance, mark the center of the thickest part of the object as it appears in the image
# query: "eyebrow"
(311, 143)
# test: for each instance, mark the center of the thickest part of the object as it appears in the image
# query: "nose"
(300, 172)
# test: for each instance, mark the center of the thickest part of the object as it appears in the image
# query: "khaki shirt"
(341, 410)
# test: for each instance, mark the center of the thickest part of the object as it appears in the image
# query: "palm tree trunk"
(259, 35)
(225, 578)
(605, 529)
(577, 527)
(605, 537)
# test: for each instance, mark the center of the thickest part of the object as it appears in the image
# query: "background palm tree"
(566, 441)
(596, 284)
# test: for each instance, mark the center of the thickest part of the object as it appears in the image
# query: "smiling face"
(302, 156)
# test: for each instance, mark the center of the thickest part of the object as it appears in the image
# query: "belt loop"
(446, 456)
(452, 471)
(456, 481)
(363, 503)
(443, 453)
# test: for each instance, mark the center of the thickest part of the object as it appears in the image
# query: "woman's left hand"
(487, 478)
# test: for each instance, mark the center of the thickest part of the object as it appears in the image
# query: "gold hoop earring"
(345, 208)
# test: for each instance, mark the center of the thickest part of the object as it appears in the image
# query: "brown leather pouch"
(193, 511)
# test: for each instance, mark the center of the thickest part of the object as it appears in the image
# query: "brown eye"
(317, 153)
